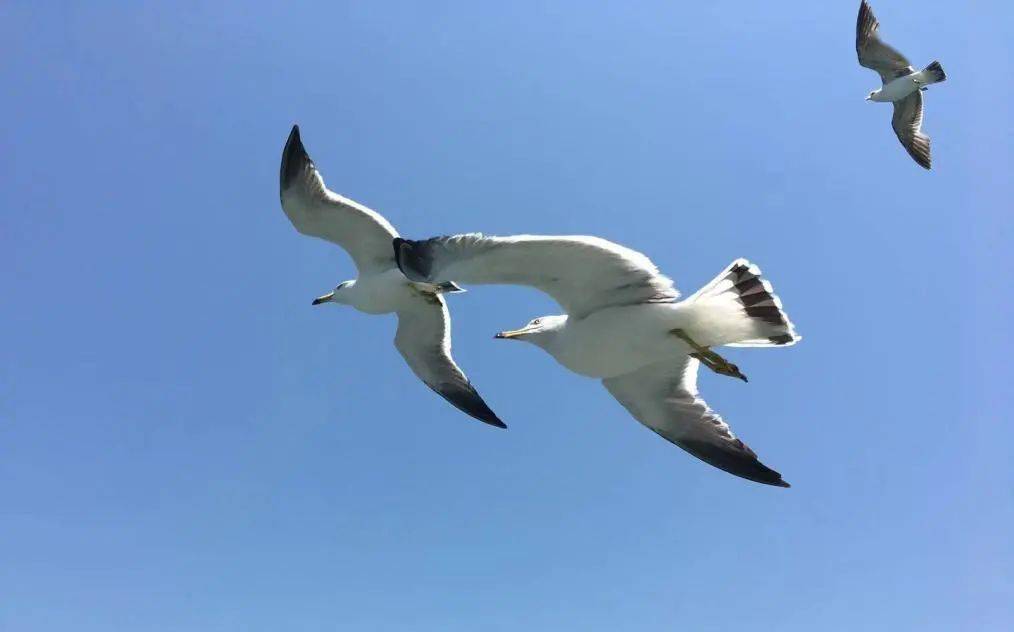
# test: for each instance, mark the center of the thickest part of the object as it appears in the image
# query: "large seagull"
(424, 325)
(902, 84)
(625, 325)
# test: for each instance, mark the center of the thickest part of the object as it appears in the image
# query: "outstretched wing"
(316, 211)
(907, 124)
(424, 340)
(583, 274)
(663, 396)
(874, 53)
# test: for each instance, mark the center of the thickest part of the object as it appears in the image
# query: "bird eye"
(537, 321)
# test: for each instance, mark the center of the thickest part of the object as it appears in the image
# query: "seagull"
(902, 84)
(424, 325)
(624, 324)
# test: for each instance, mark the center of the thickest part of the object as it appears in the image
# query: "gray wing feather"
(424, 340)
(664, 398)
(874, 53)
(318, 212)
(907, 124)
(582, 274)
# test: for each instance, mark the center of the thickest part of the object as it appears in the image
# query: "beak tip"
(323, 299)
(498, 335)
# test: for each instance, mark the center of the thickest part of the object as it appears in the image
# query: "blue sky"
(185, 444)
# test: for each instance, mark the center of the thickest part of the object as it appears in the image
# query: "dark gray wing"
(664, 398)
(424, 340)
(582, 274)
(875, 54)
(316, 211)
(907, 124)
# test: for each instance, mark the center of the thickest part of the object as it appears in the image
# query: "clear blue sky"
(185, 444)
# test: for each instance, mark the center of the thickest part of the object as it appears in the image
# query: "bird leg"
(709, 358)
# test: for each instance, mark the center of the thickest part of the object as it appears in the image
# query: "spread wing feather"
(907, 124)
(318, 212)
(873, 52)
(583, 274)
(664, 398)
(424, 340)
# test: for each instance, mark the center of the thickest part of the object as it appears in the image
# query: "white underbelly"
(617, 340)
(898, 89)
(382, 293)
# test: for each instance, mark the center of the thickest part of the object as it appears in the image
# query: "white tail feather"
(934, 73)
(738, 308)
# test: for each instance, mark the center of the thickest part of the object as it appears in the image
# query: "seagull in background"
(624, 325)
(902, 84)
(424, 325)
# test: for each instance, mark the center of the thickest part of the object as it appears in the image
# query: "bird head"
(338, 295)
(539, 331)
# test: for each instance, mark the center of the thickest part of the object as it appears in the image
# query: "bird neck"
(548, 337)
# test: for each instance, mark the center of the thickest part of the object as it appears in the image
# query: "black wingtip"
(764, 480)
(740, 461)
(866, 17)
(921, 156)
(866, 24)
(294, 159)
(477, 407)
(466, 399)
(487, 416)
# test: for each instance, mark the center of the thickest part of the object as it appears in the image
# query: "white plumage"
(902, 84)
(624, 325)
(424, 326)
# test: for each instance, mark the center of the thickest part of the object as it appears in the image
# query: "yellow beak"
(323, 299)
(507, 335)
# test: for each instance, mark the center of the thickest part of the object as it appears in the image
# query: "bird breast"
(615, 341)
(897, 89)
(379, 293)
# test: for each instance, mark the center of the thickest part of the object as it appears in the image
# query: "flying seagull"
(424, 325)
(902, 84)
(625, 326)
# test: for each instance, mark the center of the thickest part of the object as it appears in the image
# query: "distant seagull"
(624, 325)
(424, 325)
(902, 84)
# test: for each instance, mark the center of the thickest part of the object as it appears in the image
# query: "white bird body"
(638, 335)
(625, 325)
(378, 293)
(897, 89)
